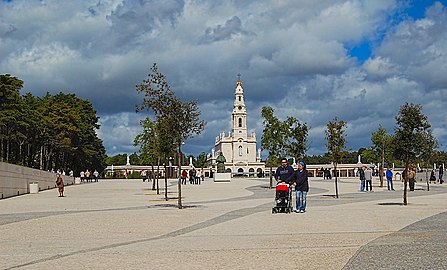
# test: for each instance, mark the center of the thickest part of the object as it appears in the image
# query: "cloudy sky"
(359, 60)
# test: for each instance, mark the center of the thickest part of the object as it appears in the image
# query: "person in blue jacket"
(300, 180)
(389, 178)
(284, 171)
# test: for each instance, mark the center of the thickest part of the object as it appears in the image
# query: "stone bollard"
(33, 187)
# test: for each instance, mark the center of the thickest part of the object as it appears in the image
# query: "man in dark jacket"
(284, 171)
(362, 178)
(300, 180)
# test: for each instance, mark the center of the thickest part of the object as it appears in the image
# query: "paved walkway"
(123, 224)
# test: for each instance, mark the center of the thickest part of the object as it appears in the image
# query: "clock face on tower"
(240, 108)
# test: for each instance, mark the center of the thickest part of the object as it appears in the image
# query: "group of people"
(326, 173)
(146, 175)
(299, 179)
(440, 175)
(87, 176)
(365, 176)
(195, 176)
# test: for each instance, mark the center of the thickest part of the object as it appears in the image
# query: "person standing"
(441, 173)
(96, 175)
(60, 185)
(198, 177)
(411, 178)
(362, 178)
(82, 175)
(191, 177)
(284, 171)
(389, 178)
(368, 179)
(300, 180)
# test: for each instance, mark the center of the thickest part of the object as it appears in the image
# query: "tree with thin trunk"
(335, 137)
(149, 147)
(273, 137)
(428, 152)
(282, 138)
(176, 120)
(411, 136)
(381, 148)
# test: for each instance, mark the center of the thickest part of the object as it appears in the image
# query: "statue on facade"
(220, 163)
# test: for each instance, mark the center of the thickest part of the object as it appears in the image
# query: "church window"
(240, 122)
(240, 150)
(239, 98)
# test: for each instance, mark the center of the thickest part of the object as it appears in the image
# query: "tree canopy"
(51, 132)
(174, 121)
(411, 137)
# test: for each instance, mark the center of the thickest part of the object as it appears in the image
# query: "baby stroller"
(283, 199)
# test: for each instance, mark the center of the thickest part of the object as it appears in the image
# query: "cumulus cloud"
(293, 56)
(231, 29)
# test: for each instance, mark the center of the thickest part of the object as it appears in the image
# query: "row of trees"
(412, 142)
(51, 132)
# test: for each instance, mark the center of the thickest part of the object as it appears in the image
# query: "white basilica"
(239, 147)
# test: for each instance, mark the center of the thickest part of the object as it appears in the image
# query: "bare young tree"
(176, 121)
(336, 140)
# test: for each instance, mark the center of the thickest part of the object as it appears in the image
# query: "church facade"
(239, 147)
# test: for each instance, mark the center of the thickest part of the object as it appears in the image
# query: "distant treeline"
(48, 133)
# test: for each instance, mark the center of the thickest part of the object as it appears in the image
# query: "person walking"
(368, 179)
(389, 178)
(184, 176)
(284, 171)
(362, 178)
(300, 180)
(432, 177)
(60, 185)
(441, 173)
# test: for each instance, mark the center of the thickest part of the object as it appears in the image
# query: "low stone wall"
(15, 180)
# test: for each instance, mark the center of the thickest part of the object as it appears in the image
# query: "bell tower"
(239, 112)
(239, 146)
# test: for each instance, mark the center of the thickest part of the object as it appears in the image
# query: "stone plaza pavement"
(123, 224)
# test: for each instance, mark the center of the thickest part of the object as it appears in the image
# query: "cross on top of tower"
(239, 82)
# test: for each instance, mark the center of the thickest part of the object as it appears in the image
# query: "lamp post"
(171, 174)
(179, 184)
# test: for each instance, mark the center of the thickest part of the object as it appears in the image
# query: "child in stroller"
(283, 198)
